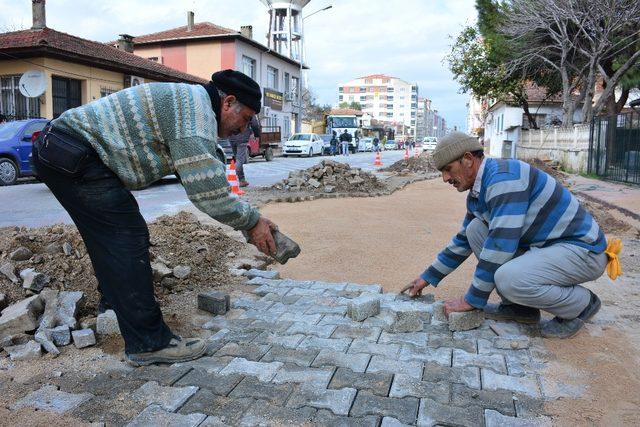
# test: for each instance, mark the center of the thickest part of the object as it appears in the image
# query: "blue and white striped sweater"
(523, 207)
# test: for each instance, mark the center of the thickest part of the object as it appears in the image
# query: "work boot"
(244, 183)
(516, 312)
(178, 350)
(566, 328)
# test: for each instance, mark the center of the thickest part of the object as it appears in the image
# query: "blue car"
(15, 148)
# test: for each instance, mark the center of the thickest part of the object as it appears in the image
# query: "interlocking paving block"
(418, 339)
(251, 304)
(348, 331)
(265, 274)
(290, 373)
(214, 302)
(276, 394)
(310, 319)
(334, 319)
(321, 331)
(363, 307)
(169, 398)
(261, 370)
(267, 316)
(442, 340)
(511, 342)
(377, 383)
(337, 401)
(162, 374)
(467, 375)
(432, 413)
(502, 401)
(406, 385)
(490, 361)
(325, 417)
(408, 367)
(466, 320)
(228, 410)
(392, 422)
(218, 384)
(211, 364)
(441, 355)
(49, 398)
(264, 414)
(213, 421)
(527, 407)
(404, 410)
(154, 415)
(300, 357)
(287, 341)
(335, 344)
(356, 362)
(277, 326)
(373, 289)
(525, 385)
(364, 346)
(253, 352)
(218, 323)
(266, 290)
(496, 419)
(239, 336)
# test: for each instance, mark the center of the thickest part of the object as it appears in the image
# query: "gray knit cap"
(453, 146)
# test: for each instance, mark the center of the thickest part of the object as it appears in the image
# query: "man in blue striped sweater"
(534, 242)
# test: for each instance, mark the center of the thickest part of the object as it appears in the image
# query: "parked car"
(365, 144)
(429, 143)
(326, 143)
(391, 145)
(15, 148)
(302, 144)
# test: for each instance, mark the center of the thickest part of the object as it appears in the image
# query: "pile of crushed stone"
(422, 164)
(330, 177)
(57, 252)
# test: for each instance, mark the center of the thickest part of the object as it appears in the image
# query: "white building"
(385, 98)
(476, 115)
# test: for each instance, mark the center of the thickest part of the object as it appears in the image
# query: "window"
(390, 89)
(295, 84)
(13, 103)
(350, 97)
(368, 81)
(390, 106)
(340, 98)
(272, 77)
(287, 83)
(153, 58)
(389, 98)
(540, 120)
(363, 89)
(363, 98)
(66, 95)
(106, 91)
(340, 89)
(249, 66)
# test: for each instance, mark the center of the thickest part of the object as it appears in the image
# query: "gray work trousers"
(546, 278)
(242, 157)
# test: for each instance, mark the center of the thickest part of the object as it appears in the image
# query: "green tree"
(353, 105)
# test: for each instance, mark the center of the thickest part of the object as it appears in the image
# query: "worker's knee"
(509, 282)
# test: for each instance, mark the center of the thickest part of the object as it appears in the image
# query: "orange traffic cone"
(406, 154)
(378, 161)
(233, 179)
(415, 153)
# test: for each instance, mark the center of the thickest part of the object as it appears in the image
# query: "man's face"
(235, 117)
(460, 173)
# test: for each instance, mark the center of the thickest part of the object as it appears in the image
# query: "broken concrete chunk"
(465, 320)
(363, 307)
(53, 248)
(181, 271)
(44, 338)
(21, 254)
(314, 183)
(67, 248)
(214, 302)
(29, 351)
(83, 338)
(107, 323)
(33, 281)
(60, 335)
(329, 188)
(68, 302)
(21, 316)
(8, 269)
(160, 271)
(511, 342)
(264, 274)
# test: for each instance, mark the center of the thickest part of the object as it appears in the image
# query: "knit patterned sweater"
(523, 207)
(152, 130)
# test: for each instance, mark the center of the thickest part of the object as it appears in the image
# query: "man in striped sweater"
(534, 242)
(92, 156)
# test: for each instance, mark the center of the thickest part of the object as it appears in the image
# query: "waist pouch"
(64, 153)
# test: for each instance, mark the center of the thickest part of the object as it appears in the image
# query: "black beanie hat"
(243, 87)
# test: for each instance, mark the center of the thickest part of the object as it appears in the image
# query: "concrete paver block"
(496, 419)
(265, 274)
(49, 398)
(432, 413)
(406, 385)
(83, 338)
(383, 364)
(363, 307)
(404, 410)
(262, 371)
(289, 373)
(355, 362)
(167, 397)
(511, 342)
(467, 320)
(337, 401)
(490, 361)
(214, 302)
(155, 415)
(525, 385)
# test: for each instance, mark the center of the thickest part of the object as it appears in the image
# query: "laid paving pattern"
(288, 354)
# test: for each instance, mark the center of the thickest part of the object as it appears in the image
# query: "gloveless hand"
(260, 236)
(415, 287)
(456, 305)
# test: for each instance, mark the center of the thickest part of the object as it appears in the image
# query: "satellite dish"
(33, 83)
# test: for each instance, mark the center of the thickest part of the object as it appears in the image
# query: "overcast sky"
(402, 38)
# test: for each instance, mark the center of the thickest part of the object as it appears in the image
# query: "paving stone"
(438, 340)
(432, 413)
(154, 415)
(464, 321)
(253, 352)
(213, 421)
(228, 410)
(320, 331)
(438, 312)
(511, 342)
(218, 323)
(162, 374)
(306, 292)
(481, 332)
(468, 375)
(418, 339)
(348, 331)
(61, 335)
(287, 341)
(311, 319)
(330, 286)
(364, 346)
(490, 361)
(169, 398)
(266, 290)
(496, 419)
(356, 362)
(381, 363)
(441, 355)
(29, 351)
(337, 401)
(214, 302)
(326, 309)
(335, 344)
(527, 407)
(300, 357)
(404, 317)
(49, 398)
(264, 414)
(373, 289)
(261, 370)
(265, 274)
(83, 338)
(21, 316)
(276, 394)
(250, 304)
(525, 385)
(392, 422)
(238, 336)
(499, 400)
(334, 319)
(218, 384)
(363, 307)
(290, 373)
(326, 418)
(107, 323)
(276, 326)
(406, 385)
(404, 410)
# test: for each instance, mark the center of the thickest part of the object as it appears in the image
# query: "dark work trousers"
(117, 240)
(240, 152)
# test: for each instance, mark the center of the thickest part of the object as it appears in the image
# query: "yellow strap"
(614, 269)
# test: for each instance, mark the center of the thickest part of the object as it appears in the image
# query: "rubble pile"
(330, 177)
(422, 164)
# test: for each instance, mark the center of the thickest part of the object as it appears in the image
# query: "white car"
(365, 144)
(429, 143)
(303, 144)
(391, 145)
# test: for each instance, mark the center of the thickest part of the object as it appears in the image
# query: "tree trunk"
(568, 105)
(525, 106)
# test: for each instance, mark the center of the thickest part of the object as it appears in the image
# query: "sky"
(407, 39)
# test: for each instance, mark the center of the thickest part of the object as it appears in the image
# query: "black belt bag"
(64, 153)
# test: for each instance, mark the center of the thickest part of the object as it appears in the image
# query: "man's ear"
(227, 101)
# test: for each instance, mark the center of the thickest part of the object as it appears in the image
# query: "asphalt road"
(33, 205)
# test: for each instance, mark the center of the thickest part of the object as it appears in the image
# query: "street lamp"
(299, 121)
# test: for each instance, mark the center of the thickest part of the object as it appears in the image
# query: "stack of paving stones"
(288, 354)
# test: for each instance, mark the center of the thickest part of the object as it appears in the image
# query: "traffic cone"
(406, 154)
(415, 153)
(233, 179)
(378, 161)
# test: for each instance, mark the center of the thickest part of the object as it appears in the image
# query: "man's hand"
(456, 305)
(260, 235)
(415, 287)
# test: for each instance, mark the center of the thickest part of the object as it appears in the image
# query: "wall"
(203, 59)
(568, 146)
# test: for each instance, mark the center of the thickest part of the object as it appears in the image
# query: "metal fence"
(614, 147)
